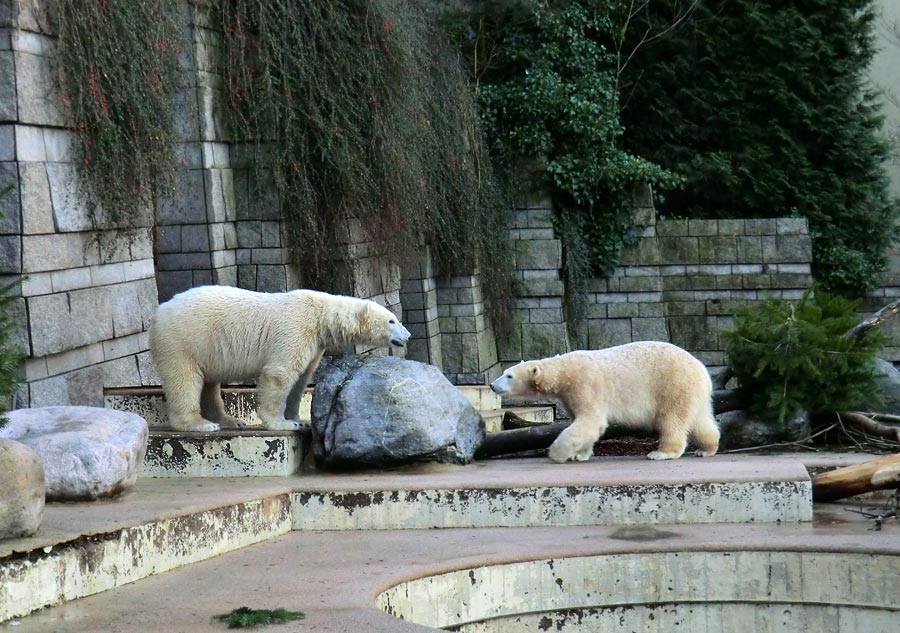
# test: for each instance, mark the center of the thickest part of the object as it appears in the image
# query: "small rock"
(379, 410)
(22, 493)
(88, 452)
(741, 429)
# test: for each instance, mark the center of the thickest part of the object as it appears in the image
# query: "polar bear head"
(523, 379)
(381, 326)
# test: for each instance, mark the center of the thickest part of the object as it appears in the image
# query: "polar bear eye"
(392, 321)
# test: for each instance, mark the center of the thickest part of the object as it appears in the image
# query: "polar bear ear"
(536, 374)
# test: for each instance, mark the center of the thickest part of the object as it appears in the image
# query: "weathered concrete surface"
(335, 577)
(240, 453)
(87, 452)
(535, 492)
(84, 549)
(22, 493)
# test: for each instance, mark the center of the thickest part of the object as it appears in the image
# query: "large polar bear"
(647, 385)
(211, 335)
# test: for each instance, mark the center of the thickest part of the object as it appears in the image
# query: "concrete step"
(85, 548)
(240, 402)
(493, 419)
(246, 452)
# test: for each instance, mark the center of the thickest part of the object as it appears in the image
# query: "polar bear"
(211, 335)
(646, 385)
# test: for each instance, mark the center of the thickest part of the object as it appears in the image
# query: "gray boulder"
(87, 452)
(889, 382)
(379, 410)
(22, 492)
(741, 429)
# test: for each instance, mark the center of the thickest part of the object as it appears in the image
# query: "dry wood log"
(535, 438)
(722, 378)
(730, 400)
(870, 426)
(877, 474)
(882, 315)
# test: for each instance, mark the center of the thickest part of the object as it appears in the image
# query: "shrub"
(793, 355)
(11, 355)
(766, 111)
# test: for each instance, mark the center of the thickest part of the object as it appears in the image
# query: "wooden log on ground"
(536, 438)
(870, 426)
(876, 474)
(889, 311)
(730, 400)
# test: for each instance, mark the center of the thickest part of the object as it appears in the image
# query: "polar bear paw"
(659, 455)
(702, 453)
(280, 424)
(197, 427)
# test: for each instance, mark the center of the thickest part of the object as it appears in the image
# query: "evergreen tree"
(764, 107)
(11, 355)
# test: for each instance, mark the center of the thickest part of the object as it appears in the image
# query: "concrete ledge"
(238, 453)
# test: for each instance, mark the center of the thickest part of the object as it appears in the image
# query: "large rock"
(22, 492)
(741, 429)
(378, 410)
(87, 452)
(889, 382)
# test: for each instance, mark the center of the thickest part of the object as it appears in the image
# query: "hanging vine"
(360, 111)
(117, 71)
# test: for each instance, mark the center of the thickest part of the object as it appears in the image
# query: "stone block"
(126, 314)
(36, 97)
(509, 345)
(717, 249)
(58, 144)
(183, 261)
(71, 210)
(271, 234)
(10, 211)
(608, 332)
(791, 280)
(194, 238)
(540, 340)
(249, 233)
(247, 277)
(703, 282)
(140, 269)
(729, 282)
(36, 201)
(791, 226)
(74, 359)
(271, 278)
(30, 144)
(8, 97)
(7, 141)
(227, 276)
(702, 227)
(37, 284)
(10, 254)
(676, 283)
(546, 315)
(168, 239)
(731, 227)
(170, 283)
(71, 279)
(685, 308)
(622, 310)
(640, 284)
(651, 309)
(760, 227)
(645, 252)
(694, 332)
(649, 329)
(269, 256)
(187, 204)
(121, 372)
(540, 288)
(678, 250)
(749, 249)
(672, 228)
(793, 249)
(538, 254)
(224, 259)
(70, 320)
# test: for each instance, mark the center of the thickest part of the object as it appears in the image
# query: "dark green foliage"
(765, 109)
(362, 113)
(546, 76)
(793, 355)
(246, 618)
(11, 355)
(117, 69)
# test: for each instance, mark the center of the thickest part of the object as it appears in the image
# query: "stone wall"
(86, 296)
(681, 281)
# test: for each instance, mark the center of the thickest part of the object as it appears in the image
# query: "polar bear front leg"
(212, 407)
(292, 408)
(576, 442)
(182, 383)
(272, 390)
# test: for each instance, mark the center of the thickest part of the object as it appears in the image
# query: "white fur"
(646, 385)
(212, 335)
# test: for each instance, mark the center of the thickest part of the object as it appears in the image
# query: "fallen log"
(730, 400)
(877, 474)
(538, 437)
(870, 426)
(889, 311)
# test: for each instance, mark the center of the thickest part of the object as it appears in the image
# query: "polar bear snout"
(501, 385)
(399, 334)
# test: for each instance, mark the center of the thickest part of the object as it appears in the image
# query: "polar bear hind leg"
(672, 438)
(705, 435)
(212, 408)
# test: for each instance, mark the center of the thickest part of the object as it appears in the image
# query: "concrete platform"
(337, 578)
(85, 548)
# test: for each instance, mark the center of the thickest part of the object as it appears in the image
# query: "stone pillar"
(468, 346)
(418, 296)
(538, 327)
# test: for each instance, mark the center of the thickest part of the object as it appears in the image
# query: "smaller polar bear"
(646, 385)
(212, 335)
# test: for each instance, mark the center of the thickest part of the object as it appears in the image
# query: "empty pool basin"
(695, 592)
